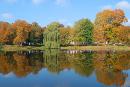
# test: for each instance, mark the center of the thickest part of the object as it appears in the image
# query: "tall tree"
(36, 34)
(7, 33)
(66, 35)
(52, 35)
(84, 28)
(22, 30)
(105, 22)
(120, 35)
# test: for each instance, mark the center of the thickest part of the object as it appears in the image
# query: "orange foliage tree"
(106, 21)
(22, 29)
(6, 33)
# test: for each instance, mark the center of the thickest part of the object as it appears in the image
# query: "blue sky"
(64, 11)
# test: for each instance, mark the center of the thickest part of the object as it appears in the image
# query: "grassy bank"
(92, 48)
(21, 48)
(98, 48)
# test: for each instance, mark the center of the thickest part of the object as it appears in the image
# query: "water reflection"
(107, 66)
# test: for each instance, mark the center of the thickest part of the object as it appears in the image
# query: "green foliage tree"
(84, 28)
(52, 35)
(35, 35)
(108, 28)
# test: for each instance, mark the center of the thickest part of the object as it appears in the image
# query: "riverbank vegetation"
(82, 48)
(107, 29)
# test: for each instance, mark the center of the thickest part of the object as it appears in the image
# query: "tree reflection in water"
(107, 66)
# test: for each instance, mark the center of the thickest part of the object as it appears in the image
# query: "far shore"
(91, 48)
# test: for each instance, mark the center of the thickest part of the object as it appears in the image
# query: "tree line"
(20, 33)
(107, 29)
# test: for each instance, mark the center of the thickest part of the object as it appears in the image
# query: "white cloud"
(128, 23)
(36, 2)
(123, 4)
(106, 7)
(7, 16)
(62, 2)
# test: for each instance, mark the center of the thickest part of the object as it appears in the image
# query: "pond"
(56, 68)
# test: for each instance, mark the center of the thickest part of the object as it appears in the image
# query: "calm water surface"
(54, 68)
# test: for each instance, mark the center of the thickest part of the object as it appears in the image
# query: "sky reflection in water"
(55, 68)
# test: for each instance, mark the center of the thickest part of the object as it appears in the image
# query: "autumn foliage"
(107, 29)
(18, 32)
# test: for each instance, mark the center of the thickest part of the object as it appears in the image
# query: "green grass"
(98, 48)
(21, 48)
(92, 48)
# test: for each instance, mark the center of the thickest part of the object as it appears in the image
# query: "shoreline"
(98, 48)
(83, 48)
